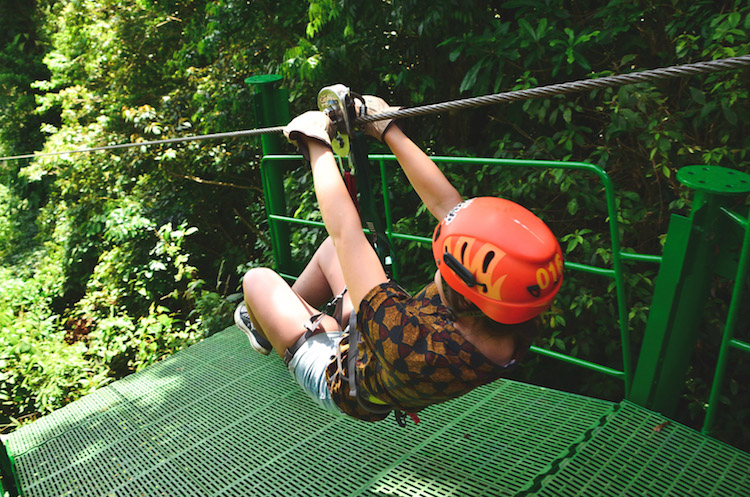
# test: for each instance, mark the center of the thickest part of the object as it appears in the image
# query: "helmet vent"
(487, 259)
(437, 232)
(463, 251)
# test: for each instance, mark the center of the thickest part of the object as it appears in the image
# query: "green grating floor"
(635, 453)
(220, 420)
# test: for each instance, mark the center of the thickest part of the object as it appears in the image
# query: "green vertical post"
(740, 281)
(682, 287)
(271, 105)
(7, 471)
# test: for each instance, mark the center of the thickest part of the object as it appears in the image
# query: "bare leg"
(323, 279)
(276, 310)
(279, 312)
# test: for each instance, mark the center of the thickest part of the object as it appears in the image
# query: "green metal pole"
(727, 337)
(7, 470)
(272, 109)
(682, 288)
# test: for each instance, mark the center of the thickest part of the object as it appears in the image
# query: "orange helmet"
(500, 256)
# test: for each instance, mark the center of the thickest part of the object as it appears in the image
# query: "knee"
(256, 281)
(326, 252)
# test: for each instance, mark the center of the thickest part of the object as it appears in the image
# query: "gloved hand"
(312, 124)
(374, 105)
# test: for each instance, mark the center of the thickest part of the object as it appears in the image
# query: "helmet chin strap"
(462, 272)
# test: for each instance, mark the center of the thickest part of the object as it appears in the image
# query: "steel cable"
(505, 97)
(564, 88)
(228, 134)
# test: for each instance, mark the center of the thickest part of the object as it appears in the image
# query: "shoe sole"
(249, 333)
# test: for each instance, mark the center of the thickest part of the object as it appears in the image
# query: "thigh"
(279, 312)
(323, 279)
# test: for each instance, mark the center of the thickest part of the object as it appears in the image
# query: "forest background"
(111, 261)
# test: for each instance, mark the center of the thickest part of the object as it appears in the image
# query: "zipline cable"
(563, 88)
(505, 97)
(228, 134)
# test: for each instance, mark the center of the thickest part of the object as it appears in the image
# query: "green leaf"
(471, 77)
(573, 207)
(541, 28)
(525, 26)
(729, 114)
(697, 95)
(734, 19)
(567, 115)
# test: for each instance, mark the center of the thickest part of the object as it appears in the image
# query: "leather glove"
(374, 105)
(312, 124)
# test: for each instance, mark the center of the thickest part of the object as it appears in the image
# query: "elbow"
(441, 208)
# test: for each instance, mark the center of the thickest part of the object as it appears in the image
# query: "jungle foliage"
(111, 261)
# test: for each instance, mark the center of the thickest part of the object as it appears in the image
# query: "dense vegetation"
(110, 261)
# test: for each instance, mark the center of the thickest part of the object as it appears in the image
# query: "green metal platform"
(218, 419)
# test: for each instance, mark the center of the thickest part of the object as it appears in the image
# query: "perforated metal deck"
(218, 419)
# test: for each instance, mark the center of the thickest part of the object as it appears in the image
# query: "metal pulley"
(336, 102)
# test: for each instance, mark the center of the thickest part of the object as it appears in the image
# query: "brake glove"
(311, 125)
(372, 106)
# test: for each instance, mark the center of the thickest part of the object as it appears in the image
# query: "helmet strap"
(470, 314)
(462, 271)
(472, 311)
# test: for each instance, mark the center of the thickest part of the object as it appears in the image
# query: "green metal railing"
(657, 381)
(728, 341)
(685, 268)
(615, 272)
(713, 240)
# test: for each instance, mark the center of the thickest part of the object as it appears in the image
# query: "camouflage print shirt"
(411, 355)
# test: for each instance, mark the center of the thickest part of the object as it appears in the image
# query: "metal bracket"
(336, 102)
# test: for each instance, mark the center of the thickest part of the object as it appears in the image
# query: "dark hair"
(523, 333)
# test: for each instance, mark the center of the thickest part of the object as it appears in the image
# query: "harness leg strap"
(311, 327)
(351, 358)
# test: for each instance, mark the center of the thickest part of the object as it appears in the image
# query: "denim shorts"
(308, 367)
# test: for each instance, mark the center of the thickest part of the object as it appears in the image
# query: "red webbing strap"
(351, 186)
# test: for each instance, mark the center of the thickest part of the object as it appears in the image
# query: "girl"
(498, 267)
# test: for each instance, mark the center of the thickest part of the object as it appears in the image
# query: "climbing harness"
(729, 63)
(337, 102)
(334, 308)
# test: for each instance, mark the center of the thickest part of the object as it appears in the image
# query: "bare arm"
(437, 193)
(359, 262)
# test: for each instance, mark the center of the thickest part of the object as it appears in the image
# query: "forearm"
(359, 263)
(336, 206)
(437, 193)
